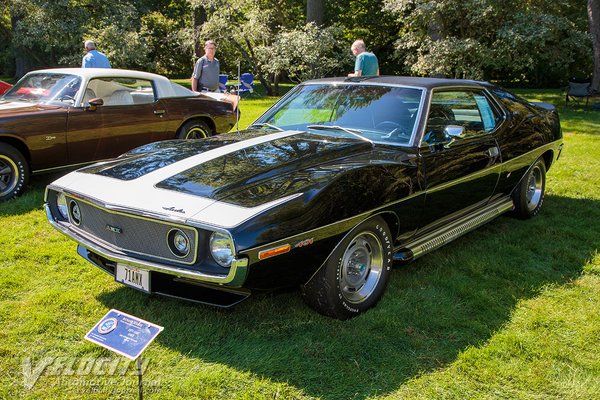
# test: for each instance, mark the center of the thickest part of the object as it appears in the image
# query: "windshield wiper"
(355, 132)
(264, 124)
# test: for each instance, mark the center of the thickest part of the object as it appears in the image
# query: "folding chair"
(578, 90)
(246, 83)
(223, 79)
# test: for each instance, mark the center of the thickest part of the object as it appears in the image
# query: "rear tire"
(195, 129)
(528, 197)
(14, 172)
(356, 274)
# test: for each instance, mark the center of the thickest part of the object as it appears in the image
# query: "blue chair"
(223, 78)
(246, 83)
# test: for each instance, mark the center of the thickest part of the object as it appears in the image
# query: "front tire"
(528, 197)
(355, 275)
(195, 129)
(14, 172)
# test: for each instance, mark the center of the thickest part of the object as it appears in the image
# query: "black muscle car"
(335, 182)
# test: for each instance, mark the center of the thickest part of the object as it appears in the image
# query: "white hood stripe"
(141, 193)
(161, 174)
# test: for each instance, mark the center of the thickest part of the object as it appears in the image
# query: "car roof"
(104, 72)
(164, 86)
(428, 83)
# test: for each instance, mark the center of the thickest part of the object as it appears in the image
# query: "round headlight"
(221, 249)
(75, 212)
(179, 244)
(61, 204)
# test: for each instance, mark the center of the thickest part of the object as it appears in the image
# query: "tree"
(245, 25)
(314, 12)
(594, 18)
(539, 41)
(289, 54)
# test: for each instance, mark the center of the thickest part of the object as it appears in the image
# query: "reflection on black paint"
(151, 157)
(228, 174)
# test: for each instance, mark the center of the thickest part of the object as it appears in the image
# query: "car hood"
(194, 179)
(11, 108)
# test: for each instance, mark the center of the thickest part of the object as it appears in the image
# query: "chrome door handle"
(159, 112)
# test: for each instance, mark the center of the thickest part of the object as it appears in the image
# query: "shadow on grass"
(434, 309)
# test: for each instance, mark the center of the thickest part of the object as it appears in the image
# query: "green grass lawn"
(509, 311)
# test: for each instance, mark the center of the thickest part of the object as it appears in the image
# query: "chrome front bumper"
(234, 278)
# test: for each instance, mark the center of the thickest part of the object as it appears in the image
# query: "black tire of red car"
(14, 172)
(528, 197)
(356, 274)
(194, 129)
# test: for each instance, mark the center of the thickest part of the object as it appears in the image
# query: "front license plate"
(134, 277)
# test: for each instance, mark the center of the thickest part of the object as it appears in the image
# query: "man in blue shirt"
(366, 62)
(93, 58)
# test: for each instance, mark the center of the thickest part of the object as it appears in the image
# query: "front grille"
(132, 234)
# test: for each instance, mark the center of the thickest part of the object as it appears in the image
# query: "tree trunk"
(594, 18)
(314, 12)
(198, 18)
(22, 61)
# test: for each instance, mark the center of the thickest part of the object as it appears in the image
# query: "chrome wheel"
(361, 267)
(535, 188)
(9, 175)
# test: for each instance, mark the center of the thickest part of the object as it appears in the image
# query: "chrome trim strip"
(466, 178)
(499, 166)
(235, 277)
(41, 171)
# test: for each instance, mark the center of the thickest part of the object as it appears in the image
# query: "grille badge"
(114, 229)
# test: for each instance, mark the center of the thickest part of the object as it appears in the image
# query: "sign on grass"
(123, 333)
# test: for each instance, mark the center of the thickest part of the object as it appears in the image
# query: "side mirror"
(94, 103)
(454, 131)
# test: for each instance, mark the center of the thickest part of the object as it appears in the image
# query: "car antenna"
(237, 112)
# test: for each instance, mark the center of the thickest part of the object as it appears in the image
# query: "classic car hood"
(184, 178)
(10, 108)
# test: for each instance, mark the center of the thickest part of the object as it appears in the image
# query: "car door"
(130, 117)
(460, 159)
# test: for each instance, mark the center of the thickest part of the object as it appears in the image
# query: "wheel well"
(392, 222)
(548, 157)
(208, 121)
(19, 145)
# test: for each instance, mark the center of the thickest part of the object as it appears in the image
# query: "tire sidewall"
(334, 265)
(523, 210)
(191, 125)
(19, 165)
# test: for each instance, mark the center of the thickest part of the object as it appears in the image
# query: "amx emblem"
(114, 229)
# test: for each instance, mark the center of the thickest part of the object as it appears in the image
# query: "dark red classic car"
(61, 118)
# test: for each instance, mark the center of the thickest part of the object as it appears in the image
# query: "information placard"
(123, 333)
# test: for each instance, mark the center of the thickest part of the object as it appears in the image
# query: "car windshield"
(383, 114)
(45, 88)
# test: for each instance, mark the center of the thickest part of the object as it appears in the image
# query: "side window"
(469, 109)
(120, 91)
